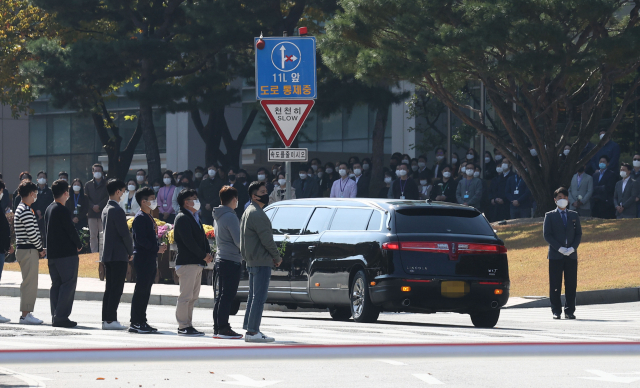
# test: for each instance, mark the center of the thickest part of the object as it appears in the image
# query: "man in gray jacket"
(261, 253)
(228, 262)
(469, 191)
(580, 193)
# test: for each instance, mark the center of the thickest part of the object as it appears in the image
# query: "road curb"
(616, 295)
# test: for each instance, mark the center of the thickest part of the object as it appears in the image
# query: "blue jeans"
(259, 278)
(1, 263)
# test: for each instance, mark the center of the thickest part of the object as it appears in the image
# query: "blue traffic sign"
(286, 68)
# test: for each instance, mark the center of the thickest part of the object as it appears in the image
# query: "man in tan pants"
(29, 251)
(193, 256)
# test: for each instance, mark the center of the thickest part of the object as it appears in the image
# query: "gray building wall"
(14, 147)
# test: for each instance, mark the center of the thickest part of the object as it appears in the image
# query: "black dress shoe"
(556, 316)
(65, 324)
(569, 316)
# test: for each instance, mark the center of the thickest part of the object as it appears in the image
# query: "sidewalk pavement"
(167, 294)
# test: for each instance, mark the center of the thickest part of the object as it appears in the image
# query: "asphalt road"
(597, 323)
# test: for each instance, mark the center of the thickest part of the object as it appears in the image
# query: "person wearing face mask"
(406, 159)
(280, 192)
(208, 193)
(62, 255)
(563, 233)
(306, 187)
(366, 167)
(241, 184)
(166, 195)
(260, 252)
(413, 173)
(228, 262)
(194, 253)
(45, 198)
(469, 190)
(534, 153)
(332, 173)
(128, 201)
(519, 197)
(116, 252)
(362, 182)
(423, 173)
(497, 192)
(462, 172)
(404, 187)
(441, 161)
(455, 165)
(565, 152)
(156, 186)
(145, 258)
(472, 156)
(141, 179)
(635, 175)
(444, 189)
(604, 186)
(315, 163)
(611, 150)
(16, 195)
(97, 196)
(5, 201)
(626, 192)
(580, 192)
(489, 167)
(263, 176)
(197, 177)
(344, 187)
(323, 181)
(388, 179)
(77, 204)
(62, 175)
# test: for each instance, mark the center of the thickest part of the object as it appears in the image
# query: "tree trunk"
(377, 148)
(150, 141)
(124, 161)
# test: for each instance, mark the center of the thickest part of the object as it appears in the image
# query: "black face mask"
(232, 178)
(264, 199)
(242, 179)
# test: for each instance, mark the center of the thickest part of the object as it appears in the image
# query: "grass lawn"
(608, 257)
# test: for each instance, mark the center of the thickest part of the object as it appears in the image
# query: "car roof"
(382, 204)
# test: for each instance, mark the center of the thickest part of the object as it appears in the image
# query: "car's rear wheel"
(340, 313)
(362, 309)
(486, 319)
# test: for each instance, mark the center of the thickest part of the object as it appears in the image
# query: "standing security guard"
(563, 232)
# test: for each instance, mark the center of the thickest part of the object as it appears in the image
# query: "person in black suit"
(499, 202)
(563, 232)
(424, 173)
(604, 186)
(306, 187)
(444, 189)
(362, 181)
(405, 187)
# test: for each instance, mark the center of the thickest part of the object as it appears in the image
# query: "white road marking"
(428, 379)
(33, 381)
(393, 362)
(249, 382)
(609, 377)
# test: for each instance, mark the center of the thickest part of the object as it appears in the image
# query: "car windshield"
(442, 220)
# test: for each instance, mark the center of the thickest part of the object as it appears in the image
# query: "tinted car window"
(290, 220)
(319, 221)
(441, 220)
(351, 219)
(374, 222)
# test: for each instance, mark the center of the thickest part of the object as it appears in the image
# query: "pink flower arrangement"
(162, 230)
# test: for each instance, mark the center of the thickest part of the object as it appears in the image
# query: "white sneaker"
(4, 320)
(30, 320)
(258, 337)
(115, 325)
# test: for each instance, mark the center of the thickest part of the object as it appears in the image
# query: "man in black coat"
(604, 186)
(499, 202)
(306, 186)
(63, 245)
(563, 232)
(362, 181)
(405, 187)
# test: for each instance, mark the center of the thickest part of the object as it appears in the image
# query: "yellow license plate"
(454, 288)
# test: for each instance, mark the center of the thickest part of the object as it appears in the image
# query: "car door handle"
(312, 248)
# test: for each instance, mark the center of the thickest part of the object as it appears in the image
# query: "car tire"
(362, 309)
(485, 319)
(340, 313)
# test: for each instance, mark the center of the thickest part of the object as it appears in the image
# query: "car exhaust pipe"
(494, 304)
(407, 302)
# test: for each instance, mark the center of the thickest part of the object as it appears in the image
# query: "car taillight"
(391, 246)
(433, 247)
(481, 248)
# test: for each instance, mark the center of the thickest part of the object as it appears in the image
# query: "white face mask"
(282, 182)
(76, 189)
(352, 175)
(562, 203)
(422, 164)
(623, 174)
(274, 171)
(405, 161)
(198, 175)
(212, 173)
(64, 179)
(505, 167)
(156, 188)
(314, 167)
(303, 176)
(365, 166)
(498, 157)
(423, 183)
(342, 172)
(476, 174)
(357, 171)
(566, 152)
(166, 181)
(329, 170)
(140, 178)
(131, 187)
(636, 163)
(533, 152)
(414, 167)
(1, 194)
(454, 160)
(487, 159)
(469, 172)
(196, 204)
(463, 170)
(320, 174)
(387, 180)
(97, 175)
(261, 177)
(439, 157)
(42, 181)
(601, 136)
(446, 174)
(469, 156)
(499, 170)
(153, 204)
(402, 172)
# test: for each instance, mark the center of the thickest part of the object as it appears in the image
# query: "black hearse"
(358, 257)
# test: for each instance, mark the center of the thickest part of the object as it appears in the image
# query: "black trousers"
(568, 267)
(64, 277)
(500, 212)
(114, 272)
(228, 273)
(146, 269)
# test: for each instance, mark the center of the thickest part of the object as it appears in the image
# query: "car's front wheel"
(362, 309)
(486, 319)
